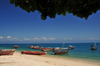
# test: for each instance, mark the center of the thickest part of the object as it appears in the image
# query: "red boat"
(60, 52)
(46, 49)
(33, 52)
(16, 46)
(7, 51)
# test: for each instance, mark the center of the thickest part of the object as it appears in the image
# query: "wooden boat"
(30, 46)
(16, 46)
(58, 48)
(34, 47)
(60, 51)
(7, 51)
(71, 47)
(46, 49)
(93, 47)
(34, 52)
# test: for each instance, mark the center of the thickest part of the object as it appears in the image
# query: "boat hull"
(33, 52)
(30, 46)
(7, 52)
(15, 47)
(94, 48)
(46, 49)
(60, 52)
(36, 48)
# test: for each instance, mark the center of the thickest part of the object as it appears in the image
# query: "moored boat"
(34, 52)
(93, 47)
(60, 51)
(7, 51)
(46, 49)
(16, 46)
(30, 46)
(71, 47)
(56, 48)
(34, 47)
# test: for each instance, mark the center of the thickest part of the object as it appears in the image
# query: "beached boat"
(46, 49)
(93, 47)
(16, 46)
(7, 51)
(71, 47)
(34, 52)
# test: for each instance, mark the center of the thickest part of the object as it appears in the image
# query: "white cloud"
(26, 39)
(65, 38)
(52, 38)
(94, 38)
(70, 38)
(44, 38)
(8, 36)
(36, 38)
(1, 37)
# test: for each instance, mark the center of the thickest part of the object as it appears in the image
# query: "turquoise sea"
(81, 50)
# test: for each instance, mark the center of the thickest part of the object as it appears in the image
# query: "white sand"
(34, 60)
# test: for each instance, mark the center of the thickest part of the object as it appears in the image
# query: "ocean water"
(81, 50)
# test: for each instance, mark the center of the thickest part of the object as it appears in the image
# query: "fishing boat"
(16, 46)
(33, 52)
(34, 47)
(46, 49)
(30, 46)
(61, 50)
(58, 48)
(71, 47)
(7, 51)
(93, 47)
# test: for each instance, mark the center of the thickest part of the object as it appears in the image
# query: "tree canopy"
(79, 8)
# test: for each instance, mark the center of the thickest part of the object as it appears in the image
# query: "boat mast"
(62, 46)
(95, 43)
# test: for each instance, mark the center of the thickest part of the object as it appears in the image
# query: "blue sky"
(19, 26)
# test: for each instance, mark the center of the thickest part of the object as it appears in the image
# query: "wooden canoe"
(60, 52)
(46, 49)
(34, 52)
(16, 46)
(7, 51)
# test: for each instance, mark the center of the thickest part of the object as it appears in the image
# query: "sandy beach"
(17, 59)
